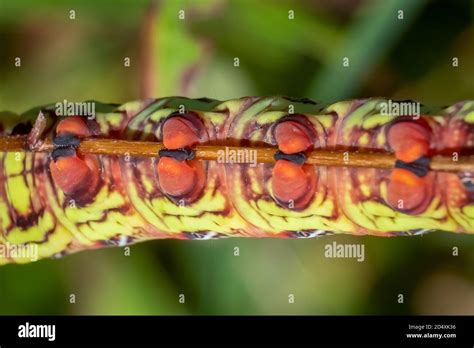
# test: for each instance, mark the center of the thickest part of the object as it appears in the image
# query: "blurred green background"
(83, 58)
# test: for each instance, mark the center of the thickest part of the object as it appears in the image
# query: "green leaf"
(373, 32)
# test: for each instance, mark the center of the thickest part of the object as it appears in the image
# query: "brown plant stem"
(321, 157)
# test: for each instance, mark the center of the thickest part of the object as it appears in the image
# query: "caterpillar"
(66, 201)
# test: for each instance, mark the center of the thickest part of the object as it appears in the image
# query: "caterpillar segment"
(66, 201)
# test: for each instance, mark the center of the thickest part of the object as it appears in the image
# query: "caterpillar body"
(66, 202)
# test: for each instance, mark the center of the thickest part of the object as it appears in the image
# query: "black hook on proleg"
(297, 158)
(66, 140)
(65, 145)
(420, 167)
(62, 152)
(179, 155)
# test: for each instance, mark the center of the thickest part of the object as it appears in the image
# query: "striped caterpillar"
(67, 201)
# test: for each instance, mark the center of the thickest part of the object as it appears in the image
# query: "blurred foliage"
(84, 59)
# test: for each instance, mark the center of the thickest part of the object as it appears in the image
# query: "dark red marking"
(77, 176)
(181, 179)
(409, 140)
(73, 125)
(177, 178)
(293, 185)
(292, 137)
(413, 192)
(179, 132)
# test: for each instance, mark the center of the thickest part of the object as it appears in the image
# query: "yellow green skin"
(237, 200)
